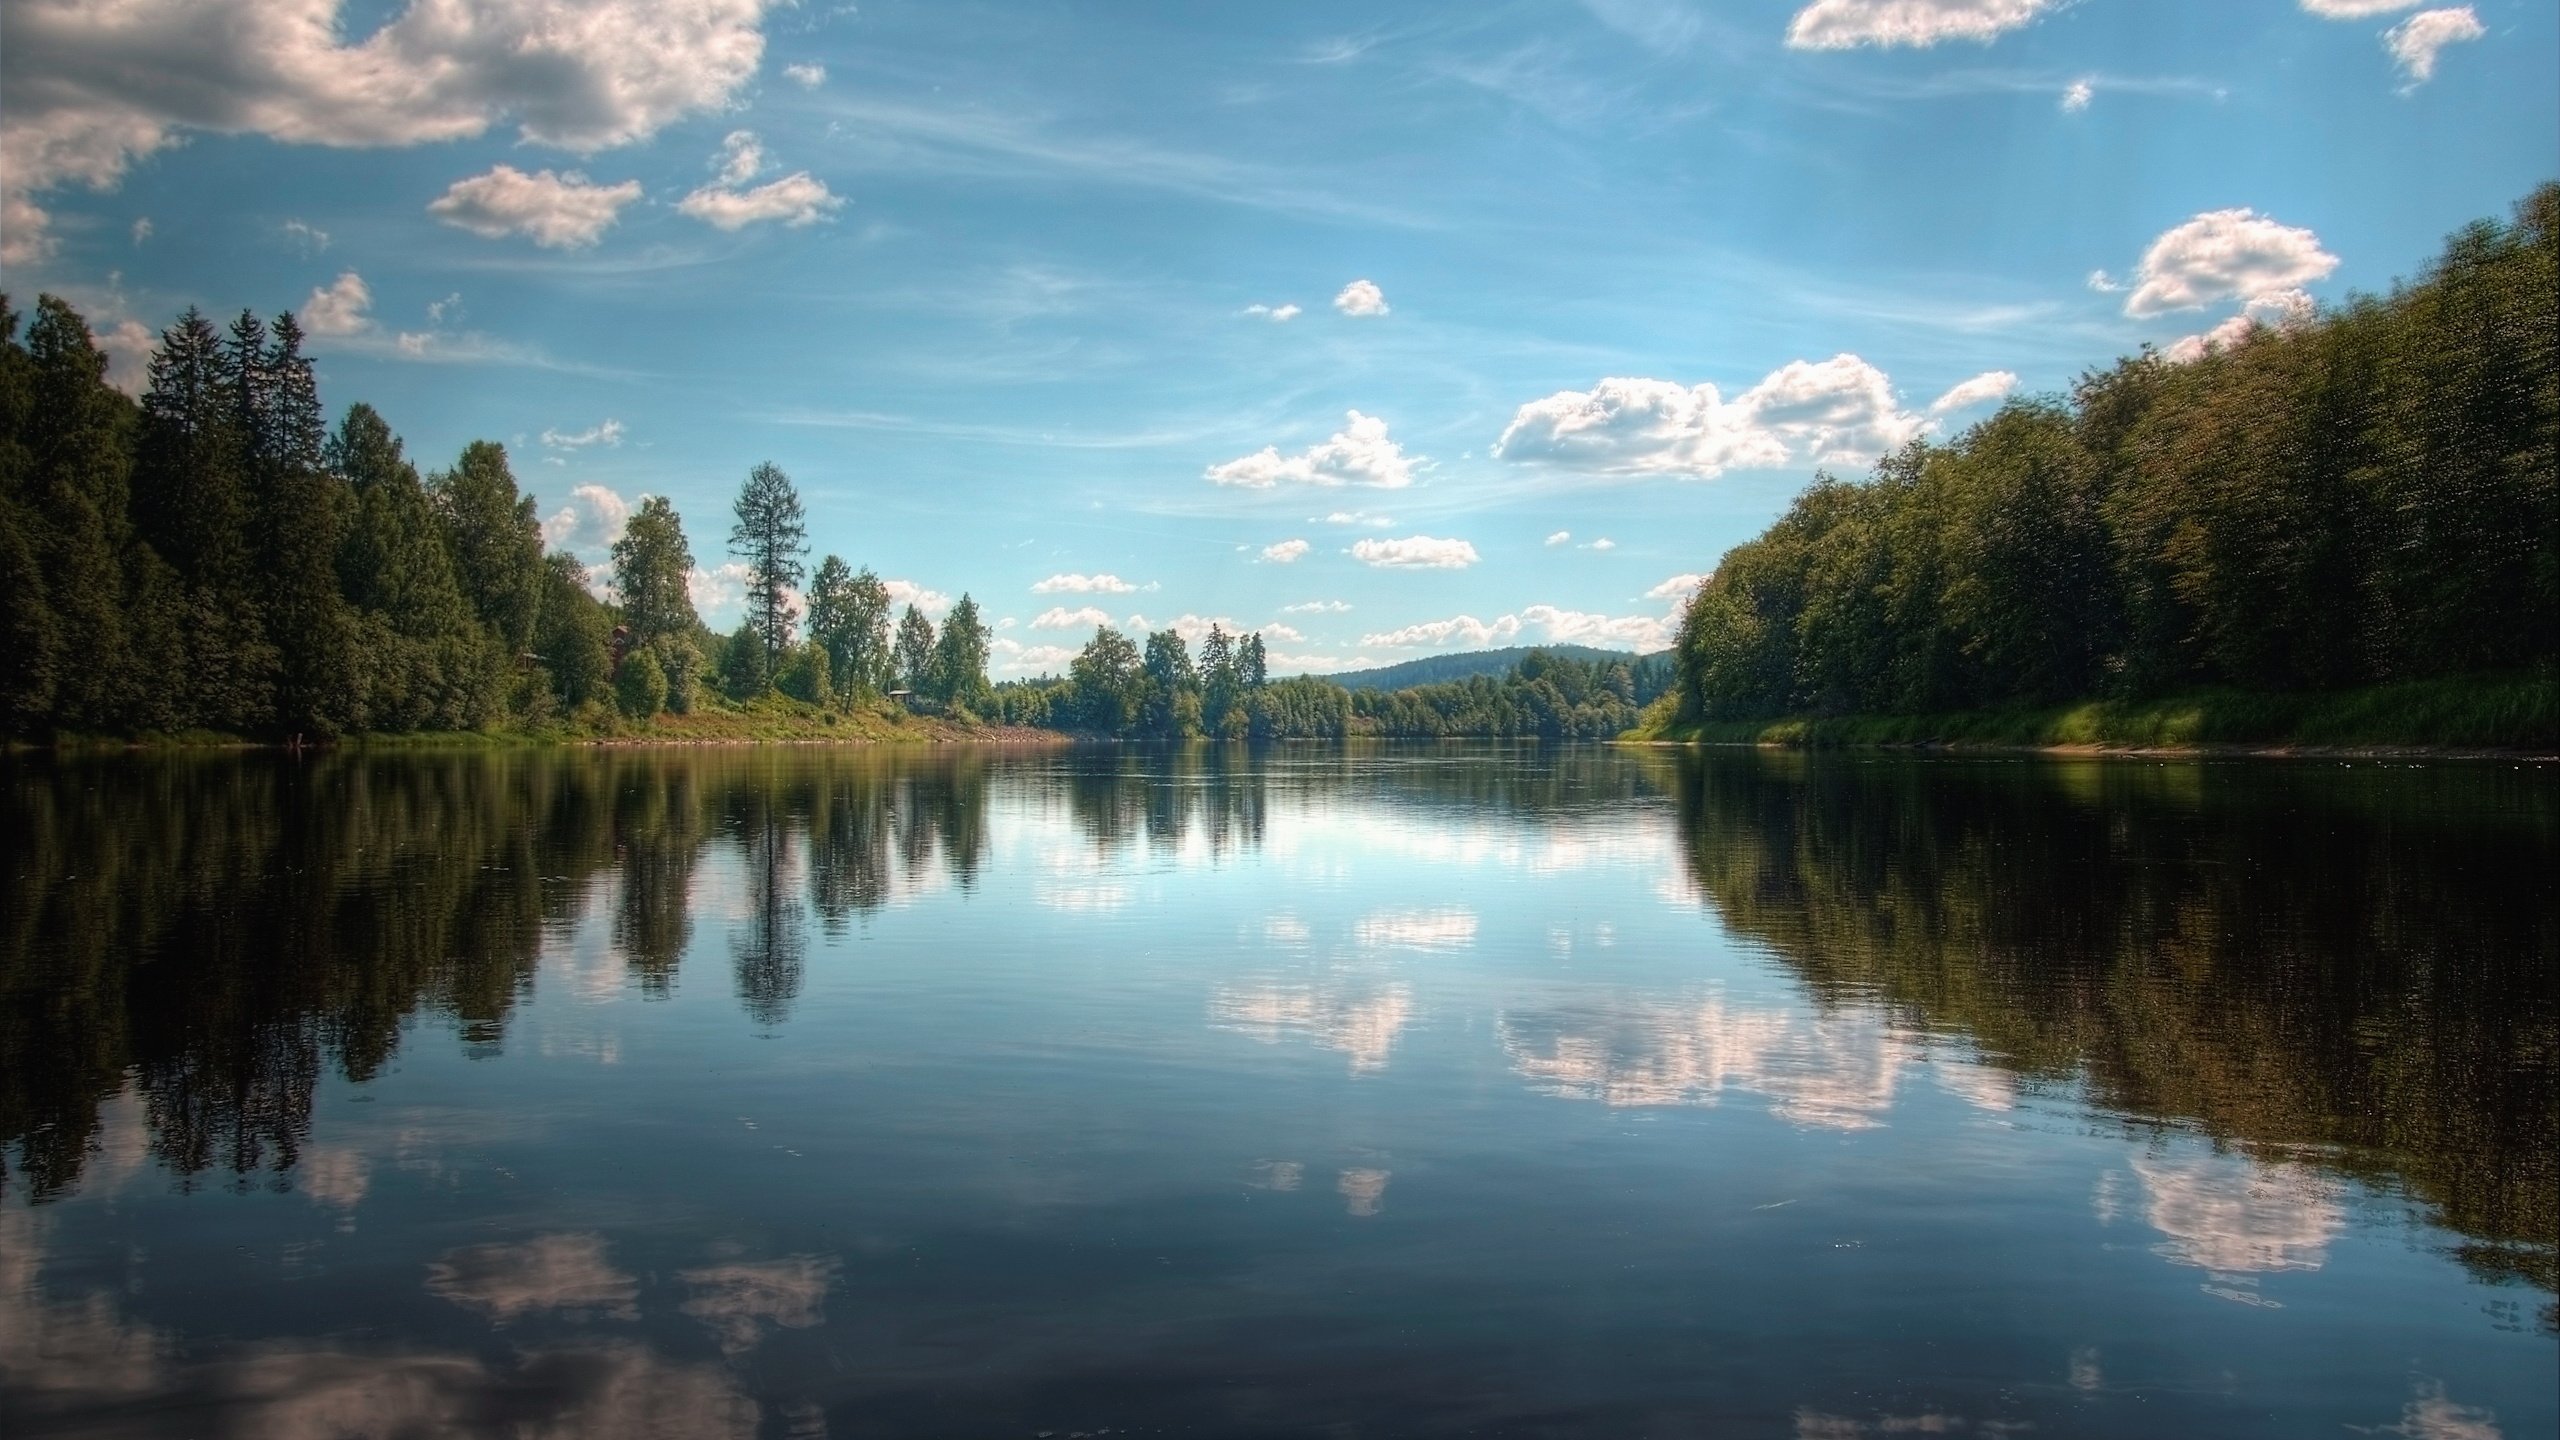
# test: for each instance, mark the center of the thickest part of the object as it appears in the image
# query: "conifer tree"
(960, 656)
(495, 541)
(81, 478)
(772, 538)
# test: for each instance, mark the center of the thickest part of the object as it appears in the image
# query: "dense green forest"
(212, 558)
(2367, 498)
(1440, 669)
(1163, 693)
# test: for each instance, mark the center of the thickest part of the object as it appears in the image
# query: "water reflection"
(1496, 1042)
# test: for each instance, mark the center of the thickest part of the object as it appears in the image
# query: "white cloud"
(2077, 95)
(2104, 283)
(741, 158)
(1013, 658)
(806, 75)
(128, 350)
(903, 593)
(94, 87)
(2280, 310)
(1676, 590)
(2414, 42)
(141, 230)
(795, 200)
(592, 519)
(1059, 617)
(1988, 386)
(1547, 624)
(1840, 410)
(2224, 255)
(1316, 607)
(717, 590)
(1561, 537)
(1276, 314)
(339, 308)
(1353, 517)
(1603, 543)
(1358, 454)
(559, 211)
(312, 238)
(1278, 630)
(1286, 552)
(448, 308)
(1361, 297)
(1083, 585)
(608, 434)
(1415, 552)
(2354, 9)
(1842, 24)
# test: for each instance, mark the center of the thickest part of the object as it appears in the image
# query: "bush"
(641, 685)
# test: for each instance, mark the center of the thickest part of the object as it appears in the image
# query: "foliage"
(640, 685)
(652, 573)
(2366, 499)
(772, 538)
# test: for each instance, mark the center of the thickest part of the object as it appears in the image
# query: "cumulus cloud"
(1843, 24)
(2354, 9)
(1415, 552)
(1361, 297)
(128, 345)
(559, 211)
(1012, 657)
(903, 593)
(1840, 410)
(1603, 543)
(718, 589)
(1358, 454)
(1561, 537)
(2415, 42)
(1988, 386)
(1677, 590)
(1353, 517)
(608, 434)
(1059, 617)
(2281, 310)
(796, 199)
(93, 88)
(592, 519)
(741, 158)
(807, 75)
(1083, 585)
(1276, 314)
(2224, 255)
(1548, 624)
(339, 308)
(1286, 552)
(1316, 607)
(2077, 95)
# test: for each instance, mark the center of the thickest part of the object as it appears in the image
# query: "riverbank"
(2470, 715)
(774, 720)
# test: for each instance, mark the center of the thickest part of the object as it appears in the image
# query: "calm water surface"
(1390, 1092)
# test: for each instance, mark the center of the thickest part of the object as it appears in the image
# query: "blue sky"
(1476, 324)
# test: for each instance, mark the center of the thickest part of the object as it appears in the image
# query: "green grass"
(2494, 712)
(770, 720)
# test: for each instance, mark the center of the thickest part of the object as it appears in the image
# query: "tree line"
(1161, 692)
(214, 558)
(2366, 497)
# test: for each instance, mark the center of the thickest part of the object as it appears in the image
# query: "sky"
(1384, 330)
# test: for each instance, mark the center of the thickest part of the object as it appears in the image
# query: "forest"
(2365, 498)
(213, 561)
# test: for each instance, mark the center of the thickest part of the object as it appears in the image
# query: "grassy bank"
(773, 720)
(2505, 712)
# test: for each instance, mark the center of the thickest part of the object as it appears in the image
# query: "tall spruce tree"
(772, 538)
(302, 513)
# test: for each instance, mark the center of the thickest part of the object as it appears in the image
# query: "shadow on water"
(2343, 967)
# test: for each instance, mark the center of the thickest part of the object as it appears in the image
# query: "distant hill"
(1438, 669)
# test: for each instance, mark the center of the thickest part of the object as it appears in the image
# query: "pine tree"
(426, 661)
(302, 520)
(32, 650)
(772, 537)
(193, 507)
(80, 481)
